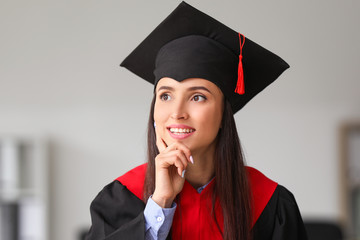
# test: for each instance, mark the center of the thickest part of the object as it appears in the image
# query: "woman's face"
(189, 111)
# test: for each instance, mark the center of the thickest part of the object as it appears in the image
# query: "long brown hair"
(231, 185)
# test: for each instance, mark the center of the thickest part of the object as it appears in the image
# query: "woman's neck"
(202, 171)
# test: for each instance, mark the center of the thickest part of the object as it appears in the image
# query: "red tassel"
(240, 88)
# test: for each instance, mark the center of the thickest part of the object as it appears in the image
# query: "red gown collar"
(261, 187)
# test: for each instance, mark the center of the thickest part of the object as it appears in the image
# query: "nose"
(179, 111)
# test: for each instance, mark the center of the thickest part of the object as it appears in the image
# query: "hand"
(170, 165)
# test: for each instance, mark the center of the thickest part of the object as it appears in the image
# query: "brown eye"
(199, 98)
(165, 97)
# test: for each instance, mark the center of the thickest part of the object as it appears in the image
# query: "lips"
(180, 131)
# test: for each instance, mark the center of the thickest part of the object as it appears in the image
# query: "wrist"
(163, 202)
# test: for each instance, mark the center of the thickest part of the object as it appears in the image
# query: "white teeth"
(181, 130)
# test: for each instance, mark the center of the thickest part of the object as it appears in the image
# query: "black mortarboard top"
(191, 44)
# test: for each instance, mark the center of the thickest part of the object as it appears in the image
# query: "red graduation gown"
(117, 211)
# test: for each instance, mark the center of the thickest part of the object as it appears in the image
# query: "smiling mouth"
(181, 131)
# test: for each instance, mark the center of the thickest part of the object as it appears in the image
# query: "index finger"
(183, 148)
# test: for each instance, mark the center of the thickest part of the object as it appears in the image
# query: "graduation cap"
(191, 44)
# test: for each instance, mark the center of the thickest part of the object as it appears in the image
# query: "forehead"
(188, 83)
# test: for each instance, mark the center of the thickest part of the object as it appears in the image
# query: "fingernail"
(191, 160)
(183, 173)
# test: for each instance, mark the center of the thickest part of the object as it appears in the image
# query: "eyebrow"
(190, 88)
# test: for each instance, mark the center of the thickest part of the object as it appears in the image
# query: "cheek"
(209, 119)
(160, 114)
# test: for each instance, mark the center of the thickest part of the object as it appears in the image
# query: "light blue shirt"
(158, 220)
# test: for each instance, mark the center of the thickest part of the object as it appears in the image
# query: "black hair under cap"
(191, 44)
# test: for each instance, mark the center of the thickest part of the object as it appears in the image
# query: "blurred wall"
(59, 78)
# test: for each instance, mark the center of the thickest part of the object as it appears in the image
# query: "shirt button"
(159, 219)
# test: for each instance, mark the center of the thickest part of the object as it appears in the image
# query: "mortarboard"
(191, 44)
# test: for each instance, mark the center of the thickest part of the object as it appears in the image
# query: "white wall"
(59, 77)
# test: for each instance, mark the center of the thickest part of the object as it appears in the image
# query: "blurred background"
(72, 120)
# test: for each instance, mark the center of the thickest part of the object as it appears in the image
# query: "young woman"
(195, 184)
